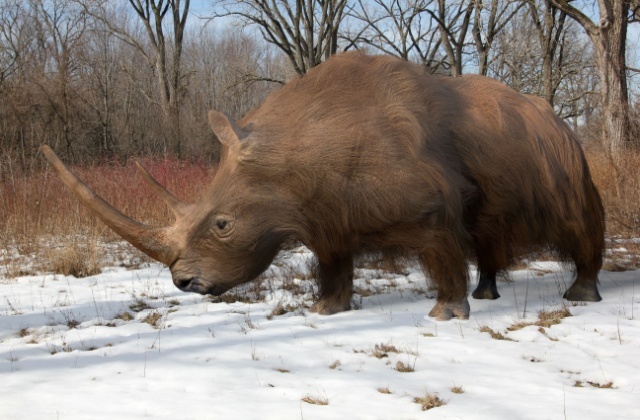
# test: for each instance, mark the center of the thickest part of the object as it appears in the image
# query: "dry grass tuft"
(317, 400)
(457, 390)
(404, 367)
(78, 260)
(125, 316)
(381, 351)
(494, 334)
(546, 319)
(139, 305)
(607, 385)
(153, 319)
(384, 390)
(429, 401)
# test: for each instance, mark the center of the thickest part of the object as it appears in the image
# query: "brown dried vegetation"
(429, 401)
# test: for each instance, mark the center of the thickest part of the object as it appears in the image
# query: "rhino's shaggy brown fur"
(374, 154)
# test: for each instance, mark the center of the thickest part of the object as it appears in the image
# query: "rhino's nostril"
(183, 284)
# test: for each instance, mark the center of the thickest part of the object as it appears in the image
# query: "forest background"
(107, 81)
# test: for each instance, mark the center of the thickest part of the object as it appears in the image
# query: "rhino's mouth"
(197, 285)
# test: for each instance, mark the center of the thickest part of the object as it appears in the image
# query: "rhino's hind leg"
(587, 256)
(486, 288)
(335, 281)
(582, 293)
(445, 263)
(492, 257)
(585, 287)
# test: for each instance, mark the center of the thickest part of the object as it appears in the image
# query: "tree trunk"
(609, 38)
(610, 51)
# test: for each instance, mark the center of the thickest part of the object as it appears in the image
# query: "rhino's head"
(228, 237)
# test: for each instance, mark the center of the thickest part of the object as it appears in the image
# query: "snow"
(68, 350)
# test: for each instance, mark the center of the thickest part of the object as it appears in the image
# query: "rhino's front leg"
(335, 282)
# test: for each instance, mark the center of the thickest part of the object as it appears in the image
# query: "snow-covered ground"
(127, 344)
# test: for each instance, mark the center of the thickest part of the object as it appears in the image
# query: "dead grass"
(429, 401)
(316, 399)
(606, 385)
(404, 367)
(382, 350)
(153, 319)
(619, 187)
(546, 319)
(41, 219)
(494, 334)
(76, 259)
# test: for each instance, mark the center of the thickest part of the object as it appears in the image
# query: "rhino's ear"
(226, 129)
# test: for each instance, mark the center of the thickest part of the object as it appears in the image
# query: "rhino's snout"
(184, 284)
(196, 285)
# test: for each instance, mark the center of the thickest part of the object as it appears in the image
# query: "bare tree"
(549, 23)
(608, 36)
(163, 51)
(525, 62)
(61, 26)
(305, 30)
(397, 27)
(488, 21)
(12, 38)
(453, 19)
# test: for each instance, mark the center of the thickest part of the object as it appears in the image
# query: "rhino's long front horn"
(150, 240)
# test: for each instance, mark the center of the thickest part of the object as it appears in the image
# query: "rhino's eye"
(223, 226)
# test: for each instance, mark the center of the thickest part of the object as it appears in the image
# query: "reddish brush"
(37, 204)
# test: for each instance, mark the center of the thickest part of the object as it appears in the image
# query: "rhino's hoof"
(582, 294)
(328, 307)
(485, 293)
(444, 311)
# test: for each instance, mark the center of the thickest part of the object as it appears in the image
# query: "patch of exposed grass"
(139, 305)
(153, 319)
(125, 316)
(606, 385)
(382, 350)
(404, 367)
(457, 390)
(316, 399)
(429, 401)
(384, 390)
(494, 334)
(335, 364)
(546, 319)
(76, 259)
